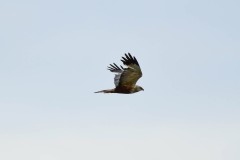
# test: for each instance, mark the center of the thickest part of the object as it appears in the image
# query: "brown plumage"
(126, 78)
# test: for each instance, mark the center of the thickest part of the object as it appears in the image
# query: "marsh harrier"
(126, 78)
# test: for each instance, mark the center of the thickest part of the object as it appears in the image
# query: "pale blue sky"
(54, 55)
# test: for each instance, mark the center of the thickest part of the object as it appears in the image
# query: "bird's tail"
(106, 91)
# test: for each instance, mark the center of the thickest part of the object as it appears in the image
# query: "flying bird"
(126, 78)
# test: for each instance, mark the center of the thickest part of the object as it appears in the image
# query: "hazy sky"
(54, 55)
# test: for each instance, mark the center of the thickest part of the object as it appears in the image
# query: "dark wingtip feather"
(114, 68)
(130, 56)
(129, 59)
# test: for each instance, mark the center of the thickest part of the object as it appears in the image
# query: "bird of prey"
(126, 78)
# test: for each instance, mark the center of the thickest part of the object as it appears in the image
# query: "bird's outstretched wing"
(126, 77)
(114, 68)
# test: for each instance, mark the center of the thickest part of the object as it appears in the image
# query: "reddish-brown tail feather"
(106, 91)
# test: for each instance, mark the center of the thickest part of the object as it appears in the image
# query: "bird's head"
(138, 88)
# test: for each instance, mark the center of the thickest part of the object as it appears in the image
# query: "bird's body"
(126, 78)
(123, 90)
